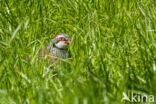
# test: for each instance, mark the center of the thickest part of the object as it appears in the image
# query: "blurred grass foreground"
(113, 51)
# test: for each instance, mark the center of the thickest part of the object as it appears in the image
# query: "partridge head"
(58, 46)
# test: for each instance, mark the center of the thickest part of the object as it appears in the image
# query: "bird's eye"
(61, 38)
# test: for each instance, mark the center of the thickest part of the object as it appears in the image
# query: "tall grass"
(113, 50)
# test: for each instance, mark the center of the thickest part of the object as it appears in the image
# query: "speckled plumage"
(59, 52)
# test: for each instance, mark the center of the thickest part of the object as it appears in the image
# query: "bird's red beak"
(68, 42)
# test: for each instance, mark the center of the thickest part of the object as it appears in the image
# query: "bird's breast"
(58, 52)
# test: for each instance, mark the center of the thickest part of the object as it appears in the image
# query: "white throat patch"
(61, 45)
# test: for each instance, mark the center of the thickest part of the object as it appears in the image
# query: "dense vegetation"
(113, 51)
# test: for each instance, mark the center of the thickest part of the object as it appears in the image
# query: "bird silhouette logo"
(125, 97)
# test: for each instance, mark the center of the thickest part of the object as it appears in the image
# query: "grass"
(113, 51)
